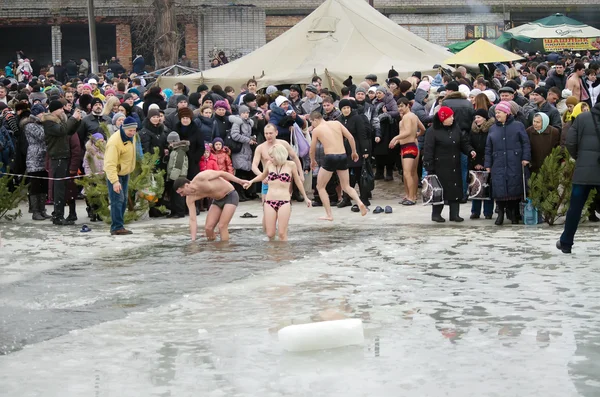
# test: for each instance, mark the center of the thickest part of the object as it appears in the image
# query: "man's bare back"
(208, 184)
(331, 136)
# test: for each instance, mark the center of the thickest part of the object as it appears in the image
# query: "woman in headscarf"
(507, 152)
(543, 138)
(444, 142)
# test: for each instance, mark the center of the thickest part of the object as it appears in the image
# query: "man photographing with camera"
(583, 144)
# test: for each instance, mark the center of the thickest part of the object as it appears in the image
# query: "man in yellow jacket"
(119, 162)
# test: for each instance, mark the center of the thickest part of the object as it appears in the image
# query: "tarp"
(459, 46)
(340, 38)
(482, 52)
(554, 26)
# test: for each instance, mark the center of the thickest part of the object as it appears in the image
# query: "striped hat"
(129, 122)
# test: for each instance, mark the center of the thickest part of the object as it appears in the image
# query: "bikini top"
(284, 177)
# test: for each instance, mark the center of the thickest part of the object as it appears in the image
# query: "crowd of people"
(506, 121)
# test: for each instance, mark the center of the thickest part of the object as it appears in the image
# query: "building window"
(483, 31)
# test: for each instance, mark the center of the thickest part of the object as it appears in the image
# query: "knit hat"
(474, 92)
(109, 92)
(452, 86)
(424, 85)
(346, 102)
(55, 105)
(295, 87)
(89, 87)
(572, 100)
(97, 136)
(391, 73)
(182, 98)
(221, 105)
(218, 140)
(281, 99)
(490, 94)
(464, 89)
(37, 109)
(135, 91)
(153, 106)
(95, 101)
(360, 89)
(504, 107)
(185, 112)
(394, 80)
(381, 89)
(173, 137)
(245, 109)
(92, 81)
(483, 113)
(541, 91)
(312, 89)
(129, 122)
(373, 89)
(417, 75)
(249, 97)
(207, 148)
(445, 113)
(271, 89)
(153, 112)
(116, 117)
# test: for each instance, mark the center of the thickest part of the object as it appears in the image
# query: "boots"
(515, 215)
(72, 211)
(454, 211)
(436, 213)
(37, 204)
(345, 202)
(43, 200)
(31, 203)
(500, 218)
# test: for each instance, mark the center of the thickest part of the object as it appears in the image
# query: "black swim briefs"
(335, 162)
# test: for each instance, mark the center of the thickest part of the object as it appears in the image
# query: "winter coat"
(368, 111)
(178, 165)
(138, 65)
(150, 99)
(93, 161)
(84, 67)
(208, 128)
(441, 157)
(36, 144)
(209, 163)
(74, 163)
(241, 131)
(223, 157)
(551, 112)
(57, 134)
(356, 125)
(478, 139)
(89, 125)
(222, 125)
(542, 145)
(583, 144)
(192, 134)
(308, 107)
(280, 119)
(462, 108)
(388, 123)
(554, 80)
(334, 115)
(507, 145)
(418, 108)
(152, 136)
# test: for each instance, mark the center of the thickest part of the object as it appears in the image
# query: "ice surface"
(446, 312)
(321, 335)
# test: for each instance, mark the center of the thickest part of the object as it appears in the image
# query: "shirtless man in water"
(410, 128)
(331, 134)
(261, 155)
(215, 185)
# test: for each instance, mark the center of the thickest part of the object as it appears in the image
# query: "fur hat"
(129, 122)
(153, 112)
(394, 80)
(173, 137)
(185, 112)
(572, 100)
(346, 102)
(55, 105)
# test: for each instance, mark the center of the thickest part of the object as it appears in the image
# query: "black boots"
(454, 211)
(38, 207)
(72, 211)
(436, 213)
(345, 202)
(500, 218)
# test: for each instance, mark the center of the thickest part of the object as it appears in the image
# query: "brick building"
(57, 29)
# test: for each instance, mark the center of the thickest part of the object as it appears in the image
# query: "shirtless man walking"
(331, 134)
(261, 155)
(410, 128)
(215, 185)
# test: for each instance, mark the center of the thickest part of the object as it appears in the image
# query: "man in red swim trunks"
(410, 128)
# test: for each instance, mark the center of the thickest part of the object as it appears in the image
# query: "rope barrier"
(48, 178)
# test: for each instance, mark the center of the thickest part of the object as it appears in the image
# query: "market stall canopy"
(459, 46)
(340, 38)
(482, 52)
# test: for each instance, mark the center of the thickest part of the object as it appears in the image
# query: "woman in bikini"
(279, 173)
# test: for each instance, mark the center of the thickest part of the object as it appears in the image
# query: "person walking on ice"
(331, 134)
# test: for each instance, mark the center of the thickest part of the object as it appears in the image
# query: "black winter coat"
(152, 136)
(463, 110)
(192, 134)
(150, 99)
(441, 157)
(222, 125)
(58, 132)
(355, 123)
(478, 139)
(554, 80)
(507, 145)
(208, 128)
(583, 144)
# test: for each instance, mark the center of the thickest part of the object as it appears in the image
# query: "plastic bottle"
(322, 335)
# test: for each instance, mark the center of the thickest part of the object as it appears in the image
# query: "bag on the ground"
(299, 142)
(432, 191)
(367, 178)
(479, 185)
(234, 146)
(530, 213)
(149, 193)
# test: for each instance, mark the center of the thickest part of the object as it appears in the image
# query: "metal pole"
(93, 48)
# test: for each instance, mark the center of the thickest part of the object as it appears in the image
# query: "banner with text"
(572, 43)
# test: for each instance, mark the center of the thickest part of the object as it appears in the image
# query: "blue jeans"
(488, 207)
(464, 169)
(118, 203)
(579, 195)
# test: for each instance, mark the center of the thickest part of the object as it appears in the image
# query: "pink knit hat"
(504, 107)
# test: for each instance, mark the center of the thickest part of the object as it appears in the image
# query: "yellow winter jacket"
(119, 157)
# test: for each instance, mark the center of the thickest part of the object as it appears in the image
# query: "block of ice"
(322, 335)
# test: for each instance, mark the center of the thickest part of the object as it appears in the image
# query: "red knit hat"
(444, 113)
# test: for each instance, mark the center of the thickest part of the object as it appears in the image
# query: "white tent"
(340, 38)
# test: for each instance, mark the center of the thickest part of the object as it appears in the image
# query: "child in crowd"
(93, 163)
(177, 167)
(208, 160)
(222, 155)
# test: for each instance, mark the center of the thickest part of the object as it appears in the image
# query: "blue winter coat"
(507, 145)
(279, 117)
